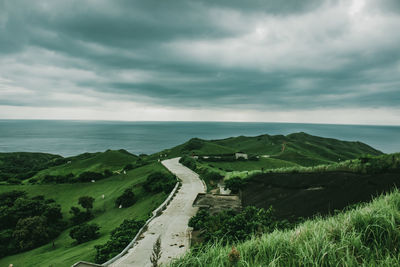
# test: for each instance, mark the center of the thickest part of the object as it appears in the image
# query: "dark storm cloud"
(278, 55)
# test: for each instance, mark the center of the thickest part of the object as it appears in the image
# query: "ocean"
(68, 138)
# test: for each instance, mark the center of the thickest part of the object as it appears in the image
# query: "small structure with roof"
(240, 154)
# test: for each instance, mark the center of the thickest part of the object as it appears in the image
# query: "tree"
(79, 216)
(52, 213)
(86, 202)
(120, 238)
(234, 184)
(159, 181)
(31, 232)
(127, 199)
(156, 254)
(85, 232)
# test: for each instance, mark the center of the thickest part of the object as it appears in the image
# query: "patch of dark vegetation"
(230, 226)
(307, 194)
(18, 166)
(188, 162)
(160, 182)
(193, 144)
(26, 223)
(84, 177)
(126, 200)
(235, 184)
(79, 216)
(85, 232)
(120, 238)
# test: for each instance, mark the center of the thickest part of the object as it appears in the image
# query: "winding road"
(172, 225)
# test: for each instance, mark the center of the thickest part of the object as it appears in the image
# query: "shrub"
(79, 216)
(120, 238)
(88, 176)
(86, 202)
(211, 176)
(85, 232)
(127, 199)
(234, 184)
(230, 226)
(128, 167)
(31, 232)
(188, 162)
(159, 182)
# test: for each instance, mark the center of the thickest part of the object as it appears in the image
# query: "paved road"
(171, 225)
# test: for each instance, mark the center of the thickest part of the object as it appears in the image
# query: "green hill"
(367, 235)
(112, 160)
(270, 151)
(106, 214)
(18, 166)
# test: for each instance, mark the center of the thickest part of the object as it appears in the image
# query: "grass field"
(274, 151)
(266, 163)
(97, 162)
(367, 235)
(107, 216)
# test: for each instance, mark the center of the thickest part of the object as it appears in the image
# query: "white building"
(241, 155)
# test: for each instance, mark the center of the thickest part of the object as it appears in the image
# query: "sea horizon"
(73, 137)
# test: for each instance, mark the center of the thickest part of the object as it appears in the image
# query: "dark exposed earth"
(294, 195)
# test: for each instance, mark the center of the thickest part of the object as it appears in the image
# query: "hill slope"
(112, 160)
(106, 214)
(22, 165)
(272, 151)
(365, 236)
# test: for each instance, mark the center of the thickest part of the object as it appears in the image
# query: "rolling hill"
(271, 151)
(106, 214)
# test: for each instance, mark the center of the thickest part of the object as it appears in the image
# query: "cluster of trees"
(120, 238)
(235, 184)
(188, 162)
(230, 226)
(26, 223)
(80, 216)
(83, 232)
(18, 166)
(159, 182)
(71, 178)
(127, 199)
(139, 163)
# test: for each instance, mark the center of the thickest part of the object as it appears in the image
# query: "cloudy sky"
(234, 60)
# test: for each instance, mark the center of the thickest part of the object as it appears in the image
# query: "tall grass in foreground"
(368, 235)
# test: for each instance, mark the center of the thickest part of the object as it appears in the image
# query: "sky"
(310, 61)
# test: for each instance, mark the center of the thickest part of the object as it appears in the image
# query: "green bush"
(231, 226)
(26, 223)
(188, 162)
(127, 199)
(85, 232)
(120, 238)
(235, 184)
(160, 182)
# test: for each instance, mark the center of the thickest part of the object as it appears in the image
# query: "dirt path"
(171, 225)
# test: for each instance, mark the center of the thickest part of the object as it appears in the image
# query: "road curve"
(171, 225)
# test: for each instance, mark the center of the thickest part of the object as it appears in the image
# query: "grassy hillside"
(112, 160)
(22, 165)
(272, 151)
(107, 216)
(367, 235)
